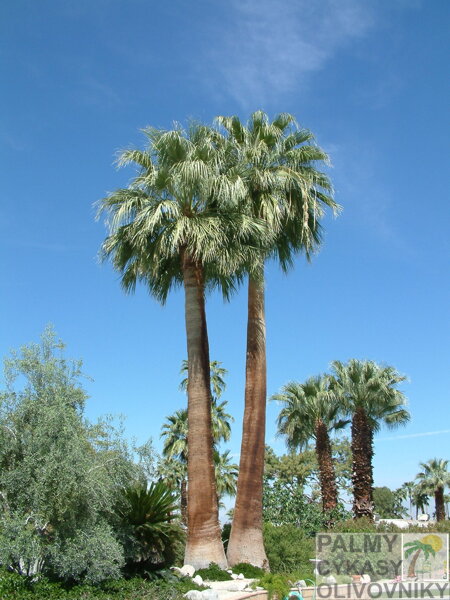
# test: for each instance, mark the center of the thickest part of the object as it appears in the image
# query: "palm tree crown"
(433, 479)
(304, 405)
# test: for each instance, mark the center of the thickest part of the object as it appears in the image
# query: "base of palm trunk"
(201, 554)
(247, 547)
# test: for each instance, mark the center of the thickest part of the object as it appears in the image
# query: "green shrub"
(213, 573)
(249, 571)
(288, 549)
(277, 585)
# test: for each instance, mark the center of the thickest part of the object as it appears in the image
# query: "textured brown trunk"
(362, 453)
(326, 468)
(183, 494)
(204, 544)
(440, 504)
(246, 538)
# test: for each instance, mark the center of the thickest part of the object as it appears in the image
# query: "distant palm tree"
(286, 190)
(311, 411)
(433, 479)
(408, 490)
(420, 499)
(178, 224)
(226, 474)
(369, 392)
(175, 433)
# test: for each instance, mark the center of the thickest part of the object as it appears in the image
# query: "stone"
(330, 580)
(240, 576)
(229, 571)
(176, 570)
(234, 576)
(193, 595)
(236, 586)
(187, 570)
(198, 580)
(210, 595)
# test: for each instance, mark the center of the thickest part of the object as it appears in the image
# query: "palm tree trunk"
(362, 453)
(204, 544)
(326, 468)
(439, 502)
(183, 502)
(246, 538)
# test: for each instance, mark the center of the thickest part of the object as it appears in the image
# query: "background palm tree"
(177, 224)
(226, 474)
(408, 492)
(420, 499)
(432, 480)
(369, 393)
(311, 411)
(284, 189)
(175, 434)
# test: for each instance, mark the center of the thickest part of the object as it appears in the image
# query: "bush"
(249, 571)
(213, 573)
(277, 585)
(288, 549)
(19, 587)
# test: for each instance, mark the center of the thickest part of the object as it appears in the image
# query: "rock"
(210, 595)
(236, 586)
(330, 580)
(229, 571)
(234, 576)
(176, 570)
(187, 570)
(240, 576)
(198, 580)
(193, 595)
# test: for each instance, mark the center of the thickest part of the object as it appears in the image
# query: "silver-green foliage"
(59, 474)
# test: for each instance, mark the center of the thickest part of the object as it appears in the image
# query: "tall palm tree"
(432, 480)
(285, 189)
(369, 393)
(311, 411)
(177, 225)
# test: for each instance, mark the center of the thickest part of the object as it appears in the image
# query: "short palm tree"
(148, 526)
(177, 224)
(311, 411)
(432, 480)
(369, 394)
(285, 189)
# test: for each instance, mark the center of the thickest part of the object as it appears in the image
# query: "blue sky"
(80, 79)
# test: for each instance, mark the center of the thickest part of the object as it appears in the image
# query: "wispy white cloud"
(273, 46)
(414, 435)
